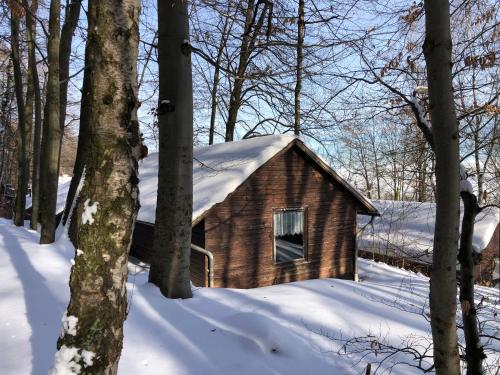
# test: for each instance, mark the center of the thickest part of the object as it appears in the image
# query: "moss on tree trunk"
(98, 294)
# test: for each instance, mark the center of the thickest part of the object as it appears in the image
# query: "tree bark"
(443, 286)
(215, 85)
(4, 119)
(474, 353)
(83, 137)
(298, 70)
(172, 241)
(35, 188)
(98, 294)
(71, 16)
(22, 178)
(49, 165)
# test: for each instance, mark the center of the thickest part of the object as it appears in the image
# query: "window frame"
(305, 235)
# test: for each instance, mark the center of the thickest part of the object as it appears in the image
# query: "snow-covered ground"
(296, 328)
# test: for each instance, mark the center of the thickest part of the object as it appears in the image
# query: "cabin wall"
(484, 271)
(142, 249)
(239, 231)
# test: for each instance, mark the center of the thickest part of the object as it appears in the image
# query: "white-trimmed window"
(289, 235)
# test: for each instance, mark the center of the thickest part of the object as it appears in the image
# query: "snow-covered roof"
(219, 169)
(62, 192)
(407, 229)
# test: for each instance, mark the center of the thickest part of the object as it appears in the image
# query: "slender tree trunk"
(479, 171)
(215, 86)
(443, 284)
(22, 169)
(474, 353)
(172, 241)
(110, 193)
(71, 16)
(247, 46)
(298, 70)
(35, 188)
(28, 107)
(4, 120)
(51, 142)
(83, 139)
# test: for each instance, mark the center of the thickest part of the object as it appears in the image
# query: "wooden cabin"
(266, 210)
(403, 235)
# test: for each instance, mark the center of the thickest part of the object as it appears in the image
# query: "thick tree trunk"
(474, 353)
(51, 142)
(298, 69)
(443, 284)
(35, 188)
(108, 202)
(22, 170)
(172, 242)
(83, 138)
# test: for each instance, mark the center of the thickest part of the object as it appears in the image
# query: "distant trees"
(257, 70)
(172, 241)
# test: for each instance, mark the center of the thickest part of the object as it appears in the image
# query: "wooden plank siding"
(484, 271)
(239, 231)
(142, 249)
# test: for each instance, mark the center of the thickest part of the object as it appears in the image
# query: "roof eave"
(370, 209)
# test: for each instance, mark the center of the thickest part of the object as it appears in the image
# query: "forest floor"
(325, 326)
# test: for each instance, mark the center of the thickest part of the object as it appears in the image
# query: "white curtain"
(288, 222)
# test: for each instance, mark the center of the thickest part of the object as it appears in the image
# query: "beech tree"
(35, 176)
(108, 202)
(22, 163)
(172, 241)
(60, 48)
(51, 140)
(443, 284)
(298, 71)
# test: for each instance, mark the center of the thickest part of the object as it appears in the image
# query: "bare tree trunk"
(83, 139)
(4, 119)
(49, 166)
(474, 353)
(172, 242)
(71, 16)
(22, 182)
(298, 69)
(109, 194)
(246, 49)
(215, 85)
(31, 30)
(28, 107)
(443, 284)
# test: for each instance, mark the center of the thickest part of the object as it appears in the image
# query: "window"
(289, 238)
